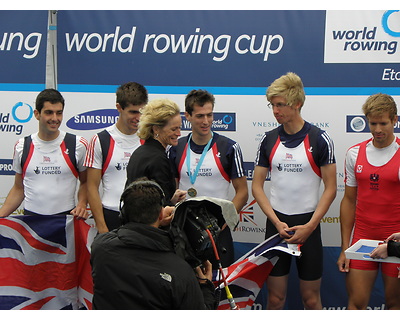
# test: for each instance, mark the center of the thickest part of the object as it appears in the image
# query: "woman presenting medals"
(160, 127)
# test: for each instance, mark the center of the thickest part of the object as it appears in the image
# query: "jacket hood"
(139, 235)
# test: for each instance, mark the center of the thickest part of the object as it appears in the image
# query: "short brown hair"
(380, 103)
(131, 93)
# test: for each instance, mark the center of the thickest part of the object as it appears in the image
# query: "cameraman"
(135, 267)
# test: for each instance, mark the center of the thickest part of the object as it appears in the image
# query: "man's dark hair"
(198, 97)
(51, 95)
(131, 93)
(142, 202)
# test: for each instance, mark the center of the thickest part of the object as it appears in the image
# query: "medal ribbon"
(193, 177)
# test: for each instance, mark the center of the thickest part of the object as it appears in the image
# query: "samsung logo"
(91, 120)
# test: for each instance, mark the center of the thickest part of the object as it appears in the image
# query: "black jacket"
(134, 267)
(150, 160)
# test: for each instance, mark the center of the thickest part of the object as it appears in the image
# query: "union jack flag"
(45, 263)
(247, 213)
(247, 275)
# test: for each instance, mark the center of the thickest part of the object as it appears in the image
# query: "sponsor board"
(13, 122)
(223, 121)
(359, 124)
(95, 119)
(362, 37)
(6, 167)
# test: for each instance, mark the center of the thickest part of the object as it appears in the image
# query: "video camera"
(188, 229)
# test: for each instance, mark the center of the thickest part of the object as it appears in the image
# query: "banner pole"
(51, 50)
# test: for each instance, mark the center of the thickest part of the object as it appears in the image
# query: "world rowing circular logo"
(386, 24)
(22, 112)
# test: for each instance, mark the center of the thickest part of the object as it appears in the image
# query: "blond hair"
(156, 113)
(288, 86)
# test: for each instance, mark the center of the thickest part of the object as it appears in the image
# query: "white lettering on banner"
(265, 46)
(95, 119)
(217, 124)
(185, 44)
(379, 307)
(195, 41)
(6, 167)
(270, 44)
(17, 40)
(94, 41)
(390, 75)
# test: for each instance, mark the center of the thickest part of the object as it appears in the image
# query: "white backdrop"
(250, 127)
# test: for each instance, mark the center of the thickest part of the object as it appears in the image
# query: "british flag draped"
(247, 275)
(45, 262)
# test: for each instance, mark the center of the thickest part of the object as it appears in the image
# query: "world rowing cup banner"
(45, 263)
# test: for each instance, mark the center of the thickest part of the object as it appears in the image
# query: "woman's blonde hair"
(288, 86)
(156, 113)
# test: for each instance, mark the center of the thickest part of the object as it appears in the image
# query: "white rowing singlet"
(49, 183)
(294, 182)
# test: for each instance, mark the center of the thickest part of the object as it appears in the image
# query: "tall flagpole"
(51, 50)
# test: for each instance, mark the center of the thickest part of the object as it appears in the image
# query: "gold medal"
(192, 192)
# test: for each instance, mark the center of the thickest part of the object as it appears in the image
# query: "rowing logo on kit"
(374, 181)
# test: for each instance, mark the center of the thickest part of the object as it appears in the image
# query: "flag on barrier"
(247, 275)
(45, 263)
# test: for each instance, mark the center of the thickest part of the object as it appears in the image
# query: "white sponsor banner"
(362, 36)
(327, 112)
